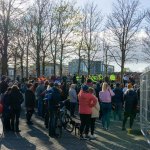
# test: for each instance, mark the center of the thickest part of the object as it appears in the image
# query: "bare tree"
(146, 40)
(38, 16)
(66, 23)
(124, 24)
(9, 9)
(92, 19)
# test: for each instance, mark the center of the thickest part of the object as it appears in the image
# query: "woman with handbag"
(106, 106)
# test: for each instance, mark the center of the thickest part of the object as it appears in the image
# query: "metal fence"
(145, 103)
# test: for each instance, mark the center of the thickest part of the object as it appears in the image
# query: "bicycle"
(64, 119)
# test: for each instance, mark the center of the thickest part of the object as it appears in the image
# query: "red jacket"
(86, 102)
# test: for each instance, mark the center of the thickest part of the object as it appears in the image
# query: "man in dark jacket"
(16, 100)
(3, 87)
(53, 105)
(29, 103)
(131, 101)
(117, 101)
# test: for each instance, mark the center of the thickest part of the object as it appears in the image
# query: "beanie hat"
(85, 87)
(129, 86)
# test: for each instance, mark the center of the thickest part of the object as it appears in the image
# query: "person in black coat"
(117, 102)
(53, 105)
(6, 109)
(16, 99)
(131, 101)
(29, 103)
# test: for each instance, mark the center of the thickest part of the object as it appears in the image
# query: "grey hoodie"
(73, 95)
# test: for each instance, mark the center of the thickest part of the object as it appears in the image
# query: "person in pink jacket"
(105, 97)
(86, 102)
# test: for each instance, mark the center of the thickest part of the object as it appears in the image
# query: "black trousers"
(72, 108)
(92, 125)
(29, 114)
(85, 123)
(15, 115)
(126, 115)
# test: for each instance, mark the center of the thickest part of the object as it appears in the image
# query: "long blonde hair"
(104, 86)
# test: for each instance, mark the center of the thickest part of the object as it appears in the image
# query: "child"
(94, 115)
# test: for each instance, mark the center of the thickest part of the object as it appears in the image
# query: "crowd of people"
(93, 100)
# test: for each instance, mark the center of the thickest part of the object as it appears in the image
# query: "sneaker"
(92, 137)
(87, 137)
(107, 129)
(29, 123)
(18, 130)
(81, 137)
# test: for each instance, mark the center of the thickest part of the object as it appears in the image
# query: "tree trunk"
(4, 61)
(89, 62)
(54, 59)
(27, 63)
(122, 65)
(5, 55)
(61, 60)
(79, 65)
(22, 69)
(38, 57)
(15, 66)
(43, 65)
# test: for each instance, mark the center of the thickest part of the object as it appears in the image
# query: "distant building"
(49, 70)
(97, 67)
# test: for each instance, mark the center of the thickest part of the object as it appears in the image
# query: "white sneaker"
(93, 136)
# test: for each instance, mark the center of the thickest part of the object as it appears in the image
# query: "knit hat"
(85, 87)
(130, 86)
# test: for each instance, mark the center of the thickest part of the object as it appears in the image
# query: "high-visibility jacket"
(100, 77)
(112, 77)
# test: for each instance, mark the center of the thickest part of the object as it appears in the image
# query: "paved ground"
(36, 137)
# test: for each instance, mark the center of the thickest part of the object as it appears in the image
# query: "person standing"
(105, 98)
(74, 79)
(130, 102)
(73, 99)
(39, 94)
(53, 105)
(95, 114)
(117, 101)
(3, 86)
(29, 103)
(86, 102)
(6, 109)
(16, 99)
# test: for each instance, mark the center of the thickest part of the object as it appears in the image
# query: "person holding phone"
(105, 98)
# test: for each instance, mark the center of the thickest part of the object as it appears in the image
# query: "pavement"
(36, 137)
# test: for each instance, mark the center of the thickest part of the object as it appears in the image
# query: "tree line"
(43, 31)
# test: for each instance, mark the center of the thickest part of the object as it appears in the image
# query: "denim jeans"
(40, 107)
(106, 111)
(118, 110)
(52, 122)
